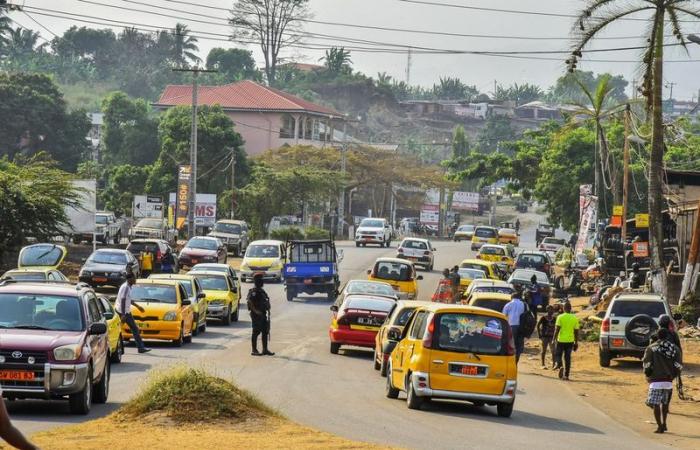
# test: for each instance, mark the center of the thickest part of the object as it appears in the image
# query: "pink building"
(265, 117)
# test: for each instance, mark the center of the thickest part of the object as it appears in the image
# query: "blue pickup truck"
(311, 268)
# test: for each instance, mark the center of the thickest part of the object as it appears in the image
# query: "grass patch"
(192, 395)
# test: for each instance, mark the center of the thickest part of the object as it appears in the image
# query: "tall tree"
(234, 63)
(520, 94)
(460, 143)
(272, 24)
(184, 46)
(21, 42)
(337, 60)
(454, 89)
(663, 14)
(130, 133)
(567, 89)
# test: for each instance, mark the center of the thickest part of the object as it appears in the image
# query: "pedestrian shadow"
(128, 366)
(299, 360)
(357, 354)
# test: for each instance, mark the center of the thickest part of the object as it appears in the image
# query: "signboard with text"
(641, 220)
(466, 201)
(430, 215)
(204, 210)
(640, 249)
(588, 218)
(617, 210)
(182, 204)
(148, 206)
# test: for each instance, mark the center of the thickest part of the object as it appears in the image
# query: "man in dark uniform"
(259, 308)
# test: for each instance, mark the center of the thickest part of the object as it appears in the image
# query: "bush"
(690, 310)
(287, 234)
(317, 233)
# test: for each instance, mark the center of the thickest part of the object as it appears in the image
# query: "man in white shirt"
(123, 306)
(513, 310)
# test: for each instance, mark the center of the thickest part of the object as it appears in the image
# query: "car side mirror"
(369, 271)
(97, 328)
(234, 290)
(201, 296)
(334, 308)
(108, 315)
(394, 334)
(419, 277)
(186, 302)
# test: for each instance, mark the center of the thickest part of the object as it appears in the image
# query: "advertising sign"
(432, 197)
(640, 249)
(641, 220)
(204, 210)
(616, 221)
(148, 206)
(617, 210)
(430, 215)
(588, 217)
(466, 201)
(182, 206)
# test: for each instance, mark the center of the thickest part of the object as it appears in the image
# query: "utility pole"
(670, 85)
(625, 179)
(341, 199)
(233, 180)
(193, 147)
(409, 62)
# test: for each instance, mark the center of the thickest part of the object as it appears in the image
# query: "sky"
(505, 31)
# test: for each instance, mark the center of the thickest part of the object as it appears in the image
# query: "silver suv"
(630, 321)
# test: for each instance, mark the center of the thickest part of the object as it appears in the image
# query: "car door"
(187, 312)
(202, 303)
(401, 356)
(98, 343)
(113, 322)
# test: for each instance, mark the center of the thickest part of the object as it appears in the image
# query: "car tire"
(195, 328)
(604, 358)
(390, 391)
(81, 402)
(234, 316)
(413, 401)
(179, 341)
(117, 239)
(335, 348)
(226, 318)
(101, 390)
(290, 295)
(203, 326)
(505, 409)
(116, 357)
(377, 365)
(357, 244)
(332, 295)
(383, 367)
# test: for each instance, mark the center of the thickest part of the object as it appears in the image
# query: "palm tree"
(384, 79)
(337, 59)
(663, 14)
(20, 42)
(184, 46)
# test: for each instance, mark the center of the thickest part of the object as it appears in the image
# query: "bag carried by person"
(528, 323)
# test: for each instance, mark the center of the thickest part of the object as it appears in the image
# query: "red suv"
(53, 344)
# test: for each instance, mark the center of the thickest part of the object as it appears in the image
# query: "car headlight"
(67, 352)
(276, 266)
(170, 316)
(85, 273)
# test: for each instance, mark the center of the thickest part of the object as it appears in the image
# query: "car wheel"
(226, 319)
(234, 316)
(178, 342)
(335, 348)
(195, 323)
(357, 244)
(203, 326)
(101, 389)
(604, 358)
(413, 401)
(382, 367)
(377, 365)
(290, 295)
(116, 357)
(332, 295)
(117, 239)
(505, 409)
(390, 391)
(81, 402)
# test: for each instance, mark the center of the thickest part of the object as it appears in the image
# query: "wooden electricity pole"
(625, 179)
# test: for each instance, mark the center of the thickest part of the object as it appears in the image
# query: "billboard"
(204, 210)
(148, 206)
(466, 201)
(588, 218)
(430, 215)
(182, 207)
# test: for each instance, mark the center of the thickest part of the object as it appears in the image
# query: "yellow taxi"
(467, 275)
(383, 346)
(490, 268)
(222, 295)
(38, 262)
(263, 257)
(454, 352)
(500, 254)
(114, 329)
(399, 273)
(508, 236)
(168, 311)
(464, 233)
(489, 300)
(484, 235)
(195, 293)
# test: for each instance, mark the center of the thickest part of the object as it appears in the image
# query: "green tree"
(453, 89)
(337, 60)
(460, 143)
(130, 133)
(20, 42)
(234, 63)
(520, 94)
(567, 88)
(123, 182)
(184, 46)
(594, 20)
(498, 129)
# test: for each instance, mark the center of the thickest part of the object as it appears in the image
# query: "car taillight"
(428, 337)
(510, 342)
(342, 320)
(605, 325)
(159, 255)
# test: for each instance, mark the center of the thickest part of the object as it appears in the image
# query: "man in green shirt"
(566, 337)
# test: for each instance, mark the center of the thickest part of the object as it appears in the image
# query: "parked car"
(311, 268)
(167, 311)
(202, 249)
(266, 258)
(53, 344)
(152, 229)
(195, 294)
(419, 251)
(373, 231)
(464, 233)
(357, 321)
(484, 235)
(108, 267)
(552, 244)
(399, 273)
(630, 321)
(233, 233)
(108, 229)
(222, 294)
(398, 316)
(534, 260)
(454, 352)
(158, 247)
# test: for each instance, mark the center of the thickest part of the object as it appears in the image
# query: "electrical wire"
(38, 23)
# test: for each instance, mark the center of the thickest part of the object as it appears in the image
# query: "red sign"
(640, 249)
(616, 221)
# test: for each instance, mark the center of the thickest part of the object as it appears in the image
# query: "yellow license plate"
(363, 328)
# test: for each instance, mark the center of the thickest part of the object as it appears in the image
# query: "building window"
(287, 128)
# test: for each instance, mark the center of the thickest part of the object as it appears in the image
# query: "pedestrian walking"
(666, 322)
(456, 281)
(566, 337)
(662, 362)
(514, 310)
(545, 331)
(259, 308)
(443, 293)
(9, 433)
(535, 293)
(517, 225)
(123, 306)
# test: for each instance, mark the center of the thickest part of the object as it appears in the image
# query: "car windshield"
(524, 276)
(40, 255)
(185, 282)
(554, 241)
(40, 312)
(228, 228)
(369, 287)
(474, 266)
(149, 223)
(403, 316)
(494, 289)
(395, 271)
(546, 227)
(107, 258)
(485, 233)
(263, 251)
(489, 303)
(138, 247)
(25, 276)
(471, 274)
(417, 245)
(101, 220)
(532, 260)
(155, 293)
(372, 223)
(201, 243)
(492, 251)
(632, 308)
(212, 283)
(371, 304)
(466, 228)
(471, 333)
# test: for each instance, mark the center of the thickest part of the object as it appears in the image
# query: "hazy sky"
(426, 69)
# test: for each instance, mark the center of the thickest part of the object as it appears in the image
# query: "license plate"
(195, 261)
(308, 281)
(142, 325)
(99, 279)
(366, 321)
(412, 258)
(467, 370)
(618, 342)
(16, 375)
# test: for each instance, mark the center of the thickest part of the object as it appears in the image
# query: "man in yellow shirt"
(566, 337)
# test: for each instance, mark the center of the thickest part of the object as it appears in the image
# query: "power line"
(37, 22)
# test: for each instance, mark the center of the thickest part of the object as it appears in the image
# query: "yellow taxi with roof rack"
(399, 273)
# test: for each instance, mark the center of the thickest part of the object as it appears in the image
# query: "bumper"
(217, 311)
(155, 329)
(357, 338)
(190, 262)
(462, 237)
(274, 275)
(57, 380)
(406, 295)
(110, 281)
(416, 259)
(369, 239)
(508, 395)
(626, 349)
(311, 288)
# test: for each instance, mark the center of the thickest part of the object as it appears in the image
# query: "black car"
(538, 261)
(108, 267)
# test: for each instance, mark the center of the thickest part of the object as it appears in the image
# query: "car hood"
(365, 229)
(198, 252)
(260, 262)
(153, 308)
(37, 340)
(95, 267)
(216, 295)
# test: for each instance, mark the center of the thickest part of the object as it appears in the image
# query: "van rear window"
(632, 308)
(471, 333)
(496, 305)
(485, 233)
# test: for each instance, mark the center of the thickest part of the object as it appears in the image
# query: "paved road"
(342, 394)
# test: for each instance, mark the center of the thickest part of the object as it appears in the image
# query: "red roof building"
(265, 117)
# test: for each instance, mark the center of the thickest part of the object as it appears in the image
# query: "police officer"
(259, 308)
